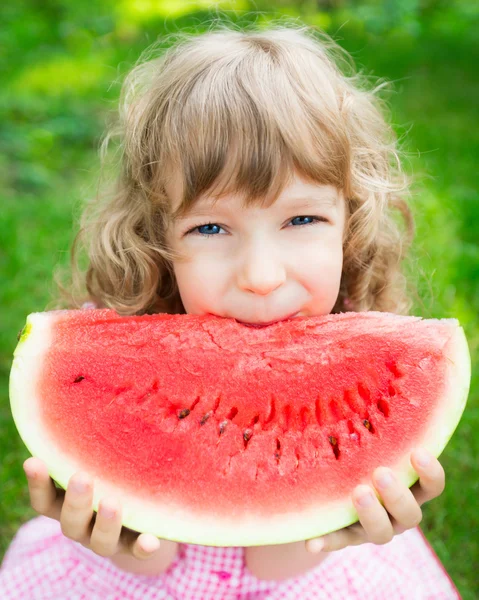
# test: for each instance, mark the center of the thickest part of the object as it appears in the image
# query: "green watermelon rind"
(183, 527)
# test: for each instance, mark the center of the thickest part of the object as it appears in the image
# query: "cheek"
(322, 260)
(198, 283)
(321, 273)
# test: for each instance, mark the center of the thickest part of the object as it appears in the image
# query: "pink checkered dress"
(42, 564)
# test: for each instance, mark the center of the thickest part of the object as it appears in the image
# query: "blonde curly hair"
(240, 110)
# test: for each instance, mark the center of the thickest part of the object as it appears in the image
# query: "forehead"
(298, 193)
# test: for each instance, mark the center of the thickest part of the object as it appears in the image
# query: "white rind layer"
(176, 523)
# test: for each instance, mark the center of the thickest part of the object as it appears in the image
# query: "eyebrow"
(295, 202)
(312, 201)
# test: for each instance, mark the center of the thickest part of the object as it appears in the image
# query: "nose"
(262, 270)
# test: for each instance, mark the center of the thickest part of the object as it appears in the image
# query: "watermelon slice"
(212, 432)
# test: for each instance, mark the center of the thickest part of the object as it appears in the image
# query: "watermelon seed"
(184, 412)
(368, 425)
(383, 406)
(334, 444)
(247, 433)
(79, 378)
(277, 454)
(223, 426)
(205, 417)
(297, 459)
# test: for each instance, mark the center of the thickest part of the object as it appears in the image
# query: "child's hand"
(101, 533)
(401, 511)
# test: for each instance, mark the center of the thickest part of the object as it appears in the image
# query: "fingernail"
(107, 511)
(80, 487)
(385, 479)
(150, 546)
(422, 458)
(30, 473)
(315, 546)
(365, 499)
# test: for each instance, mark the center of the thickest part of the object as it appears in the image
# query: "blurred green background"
(62, 64)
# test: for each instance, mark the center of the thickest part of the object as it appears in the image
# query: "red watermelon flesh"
(213, 432)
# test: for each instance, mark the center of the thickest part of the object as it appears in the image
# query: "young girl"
(258, 183)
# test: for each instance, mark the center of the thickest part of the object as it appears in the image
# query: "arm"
(281, 561)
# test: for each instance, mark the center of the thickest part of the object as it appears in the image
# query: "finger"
(349, 536)
(372, 516)
(145, 546)
(77, 511)
(397, 498)
(44, 496)
(130, 543)
(432, 478)
(106, 531)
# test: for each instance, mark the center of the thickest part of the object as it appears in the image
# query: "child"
(258, 182)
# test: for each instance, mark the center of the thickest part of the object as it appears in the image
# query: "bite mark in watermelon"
(214, 433)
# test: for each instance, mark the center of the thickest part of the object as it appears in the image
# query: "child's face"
(259, 265)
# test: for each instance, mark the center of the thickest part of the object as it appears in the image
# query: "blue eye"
(208, 229)
(303, 223)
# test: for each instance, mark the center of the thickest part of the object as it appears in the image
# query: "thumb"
(350, 536)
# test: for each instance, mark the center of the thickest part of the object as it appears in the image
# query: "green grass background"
(62, 63)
